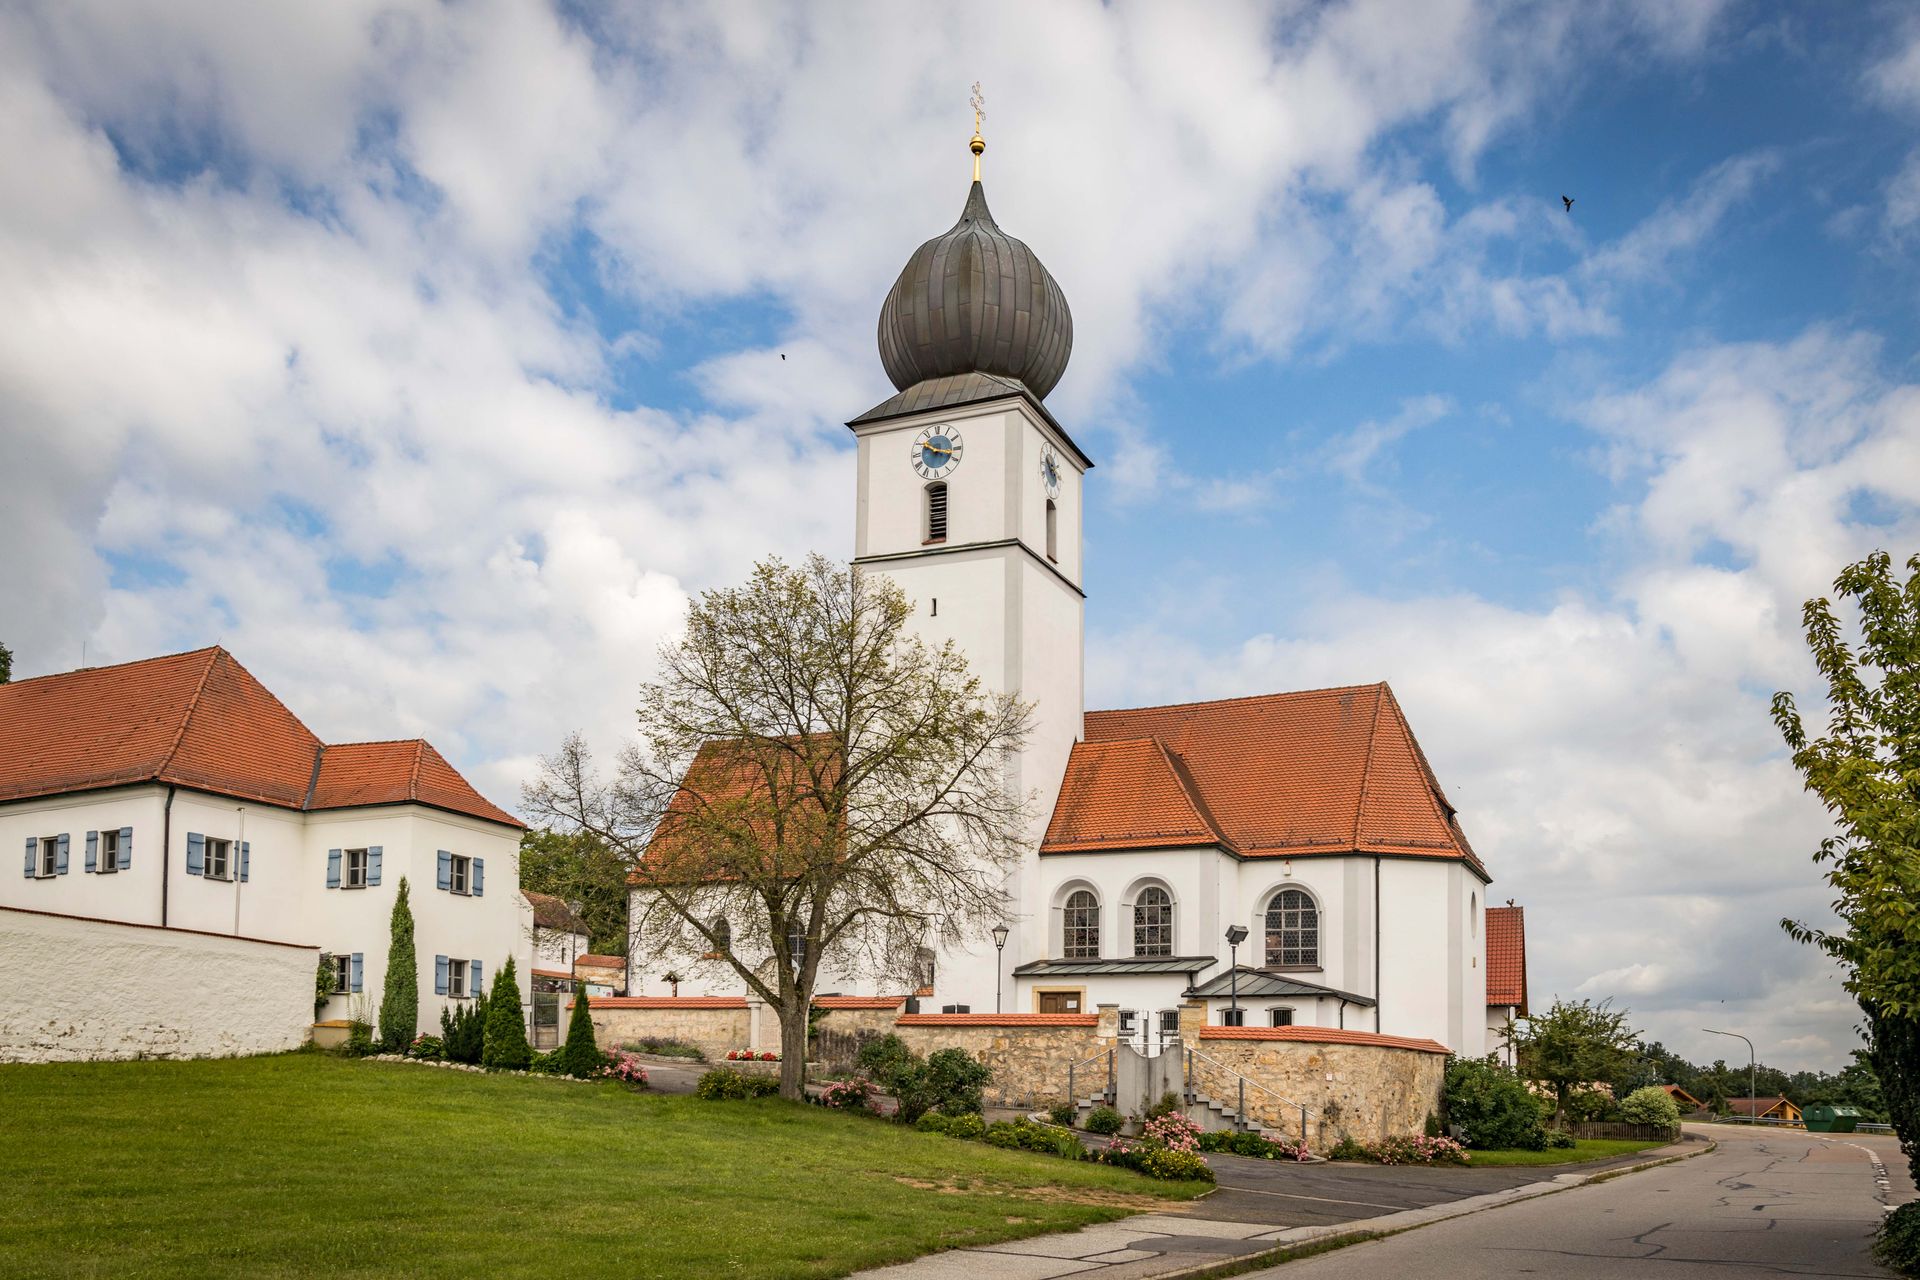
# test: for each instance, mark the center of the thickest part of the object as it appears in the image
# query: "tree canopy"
(1574, 1043)
(584, 871)
(814, 789)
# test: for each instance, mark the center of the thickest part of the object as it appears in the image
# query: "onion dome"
(975, 300)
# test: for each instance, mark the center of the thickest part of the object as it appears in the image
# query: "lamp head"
(1000, 932)
(1236, 934)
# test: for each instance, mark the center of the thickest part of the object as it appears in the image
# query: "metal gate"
(1150, 1032)
(546, 1019)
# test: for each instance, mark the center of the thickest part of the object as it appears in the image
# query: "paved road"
(1765, 1203)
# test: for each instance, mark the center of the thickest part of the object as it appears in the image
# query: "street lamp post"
(999, 961)
(1236, 934)
(1752, 1070)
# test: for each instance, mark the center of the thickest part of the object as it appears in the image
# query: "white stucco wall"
(79, 989)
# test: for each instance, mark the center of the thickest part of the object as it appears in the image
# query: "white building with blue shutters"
(178, 792)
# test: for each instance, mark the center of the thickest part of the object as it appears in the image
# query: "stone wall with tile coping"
(1366, 1092)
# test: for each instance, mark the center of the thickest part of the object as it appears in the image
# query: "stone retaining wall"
(711, 1025)
(1363, 1091)
(1028, 1053)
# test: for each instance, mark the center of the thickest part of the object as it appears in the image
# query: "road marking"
(1294, 1195)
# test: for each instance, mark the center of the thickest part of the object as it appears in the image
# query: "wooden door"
(1059, 1002)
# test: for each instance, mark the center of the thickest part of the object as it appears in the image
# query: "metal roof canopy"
(1258, 984)
(1188, 965)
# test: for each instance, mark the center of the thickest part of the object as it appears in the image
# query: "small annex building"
(1776, 1109)
(177, 797)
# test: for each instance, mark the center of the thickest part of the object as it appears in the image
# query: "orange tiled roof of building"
(550, 912)
(1321, 1035)
(202, 720)
(1507, 957)
(721, 805)
(1281, 775)
(859, 1002)
(666, 1002)
(1757, 1107)
(600, 962)
(999, 1020)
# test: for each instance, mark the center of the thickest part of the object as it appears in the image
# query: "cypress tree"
(505, 1047)
(580, 1056)
(400, 1005)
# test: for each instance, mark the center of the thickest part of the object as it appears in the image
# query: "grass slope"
(312, 1166)
(1582, 1149)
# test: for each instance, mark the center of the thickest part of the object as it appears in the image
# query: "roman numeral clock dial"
(936, 452)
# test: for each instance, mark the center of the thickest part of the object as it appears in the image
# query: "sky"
(427, 356)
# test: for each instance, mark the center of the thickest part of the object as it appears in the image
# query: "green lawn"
(313, 1166)
(1582, 1149)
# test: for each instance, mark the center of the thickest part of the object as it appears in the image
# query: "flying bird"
(783, 355)
(1567, 201)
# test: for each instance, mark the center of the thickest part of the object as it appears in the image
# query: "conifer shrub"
(504, 1045)
(580, 1055)
(463, 1030)
(400, 1002)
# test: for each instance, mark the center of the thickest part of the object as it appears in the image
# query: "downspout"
(1378, 1008)
(166, 853)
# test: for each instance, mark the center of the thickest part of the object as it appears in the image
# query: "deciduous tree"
(583, 871)
(1572, 1044)
(814, 790)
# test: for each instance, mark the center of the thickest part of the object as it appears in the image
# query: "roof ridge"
(1245, 697)
(1435, 796)
(1366, 771)
(413, 777)
(378, 742)
(193, 704)
(18, 681)
(313, 779)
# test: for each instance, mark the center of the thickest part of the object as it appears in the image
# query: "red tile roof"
(552, 973)
(1759, 1108)
(859, 1002)
(666, 1002)
(1507, 957)
(999, 1020)
(201, 720)
(550, 912)
(1321, 1035)
(600, 962)
(1282, 775)
(723, 803)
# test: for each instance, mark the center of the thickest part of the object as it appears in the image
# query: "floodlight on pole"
(1236, 934)
(1753, 1070)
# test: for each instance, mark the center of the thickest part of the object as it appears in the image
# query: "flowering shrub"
(848, 1095)
(1155, 1161)
(1173, 1131)
(1253, 1145)
(626, 1068)
(425, 1046)
(769, 1056)
(1418, 1149)
(724, 1083)
(748, 1055)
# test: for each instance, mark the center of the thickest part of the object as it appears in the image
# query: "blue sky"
(428, 356)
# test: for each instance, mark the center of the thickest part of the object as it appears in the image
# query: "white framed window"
(219, 858)
(49, 864)
(1293, 931)
(353, 869)
(1169, 1022)
(1153, 922)
(1280, 1016)
(342, 974)
(1233, 1017)
(457, 979)
(109, 856)
(1080, 926)
(460, 873)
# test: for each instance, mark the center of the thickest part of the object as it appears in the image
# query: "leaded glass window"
(1293, 931)
(1153, 922)
(1081, 926)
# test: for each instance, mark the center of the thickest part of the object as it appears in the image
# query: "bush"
(1651, 1105)
(359, 1039)
(504, 1046)
(1104, 1121)
(1024, 1135)
(1559, 1139)
(1897, 1244)
(1588, 1106)
(425, 1046)
(1433, 1128)
(1492, 1105)
(933, 1122)
(971, 1126)
(1347, 1149)
(665, 1048)
(400, 1003)
(955, 1080)
(1064, 1114)
(547, 1064)
(463, 1031)
(848, 1095)
(1156, 1162)
(726, 1084)
(880, 1058)
(1173, 1131)
(1252, 1145)
(624, 1067)
(1417, 1150)
(1169, 1103)
(580, 1055)
(948, 1080)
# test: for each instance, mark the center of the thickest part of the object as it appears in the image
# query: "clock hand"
(930, 449)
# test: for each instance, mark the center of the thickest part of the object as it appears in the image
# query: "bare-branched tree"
(815, 791)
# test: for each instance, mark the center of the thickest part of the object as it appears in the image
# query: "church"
(1287, 859)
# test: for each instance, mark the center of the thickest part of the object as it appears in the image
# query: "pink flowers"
(848, 1095)
(1418, 1149)
(1173, 1131)
(626, 1068)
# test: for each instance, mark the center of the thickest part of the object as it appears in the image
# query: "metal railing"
(1241, 1084)
(1073, 1093)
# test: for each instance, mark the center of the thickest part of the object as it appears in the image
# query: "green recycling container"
(1832, 1119)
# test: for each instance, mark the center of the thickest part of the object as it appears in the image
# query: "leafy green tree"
(1866, 771)
(1574, 1044)
(1492, 1105)
(580, 1055)
(6, 664)
(580, 869)
(505, 1046)
(814, 786)
(1650, 1105)
(400, 1003)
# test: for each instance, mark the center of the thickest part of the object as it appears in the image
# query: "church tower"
(970, 497)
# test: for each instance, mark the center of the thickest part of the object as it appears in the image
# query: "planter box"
(758, 1068)
(331, 1035)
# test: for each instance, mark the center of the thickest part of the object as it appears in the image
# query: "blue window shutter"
(356, 970)
(446, 870)
(196, 854)
(475, 982)
(333, 868)
(439, 975)
(479, 875)
(373, 865)
(93, 850)
(126, 848)
(246, 847)
(60, 866)
(33, 855)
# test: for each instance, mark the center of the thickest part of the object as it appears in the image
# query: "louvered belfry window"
(1153, 922)
(937, 512)
(1080, 926)
(1293, 931)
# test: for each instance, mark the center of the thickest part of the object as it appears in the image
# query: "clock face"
(936, 452)
(1050, 471)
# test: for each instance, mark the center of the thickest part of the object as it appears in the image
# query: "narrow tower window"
(1053, 532)
(937, 512)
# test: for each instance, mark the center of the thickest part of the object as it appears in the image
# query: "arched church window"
(1293, 931)
(1153, 922)
(1053, 531)
(923, 970)
(722, 931)
(937, 511)
(797, 944)
(1081, 926)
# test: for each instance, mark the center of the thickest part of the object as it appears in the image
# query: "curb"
(1301, 1242)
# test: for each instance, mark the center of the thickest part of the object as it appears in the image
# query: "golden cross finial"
(978, 144)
